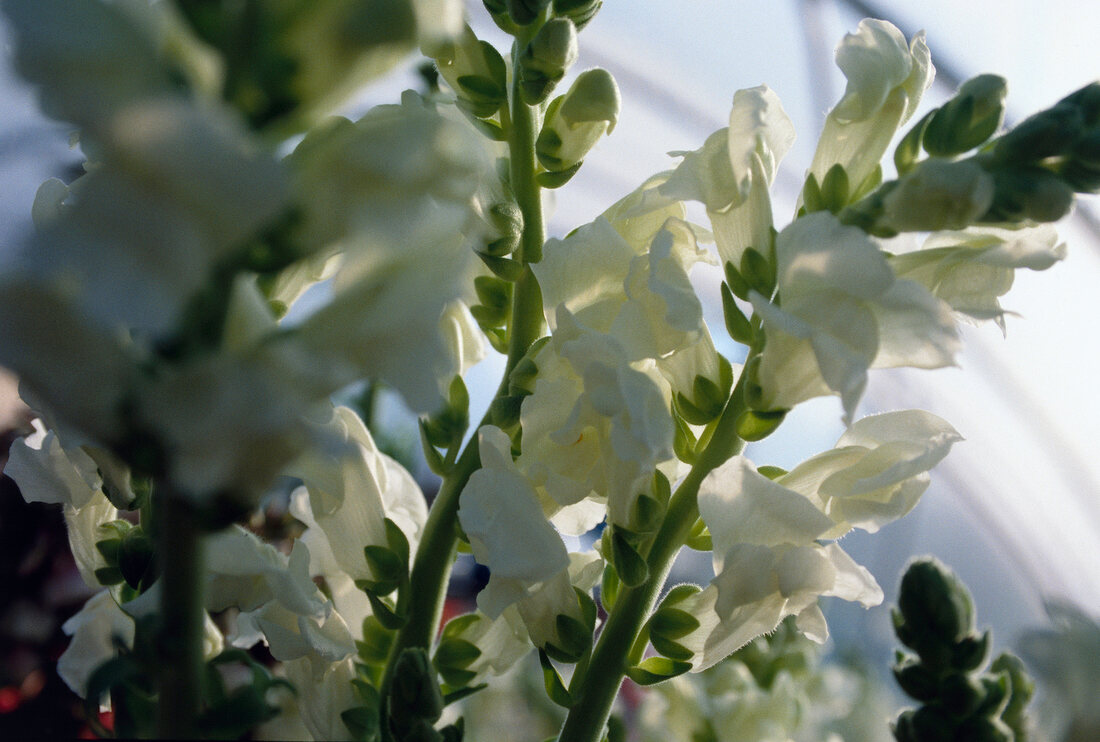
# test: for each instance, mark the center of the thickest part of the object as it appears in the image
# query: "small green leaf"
(646, 514)
(459, 693)
(908, 149)
(683, 441)
(609, 587)
(108, 576)
(555, 688)
(431, 456)
(758, 272)
(699, 538)
(588, 609)
(388, 568)
(653, 670)
(397, 541)
(811, 195)
(574, 638)
(670, 648)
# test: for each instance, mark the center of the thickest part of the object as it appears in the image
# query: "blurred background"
(1014, 510)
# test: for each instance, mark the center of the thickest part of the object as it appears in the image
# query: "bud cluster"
(961, 701)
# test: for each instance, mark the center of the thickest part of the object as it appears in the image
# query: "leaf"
(456, 653)
(673, 623)
(736, 282)
(557, 178)
(385, 614)
(555, 688)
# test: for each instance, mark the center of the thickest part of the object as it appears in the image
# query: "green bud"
(415, 693)
(629, 564)
(524, 12)
(498, 9)
(967, 120)
(937, 195)
(1049, 133)
(935, 611)
(506, 219)
(546, 59)
(916, 680)
(475, 71)
(577, 120)
(756, 425)
(1029, 193)
(578, 11)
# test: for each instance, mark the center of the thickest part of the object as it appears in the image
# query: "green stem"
(435, 555)
(586, 720)
(181, 632)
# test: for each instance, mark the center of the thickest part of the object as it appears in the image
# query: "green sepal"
(756, 425)
(504, 412)
(376, 642)
(386, 614)
(574, 639)
(653, 670)
(753, 389)
(552, 681)
(699, 538)
(811, 196)
(609, 587)
(492, 130)
(557, 178)
(488, 317)
(870, 183)
(588, 609)
(457, 678)
(683, 441)
(908, 150)
(137, 559)
(109, 548)
(362, 722)
(458, 404)
(479, 95)
(524, 12)
(629, 564)
(506, 268)
(109, 576)
(670, 648)
(578, 11)
(737, 324)
(459, 624)
(455, 653)
(672, 622)
(498, 339)
(771, 472)
(432, 457)
(646, 514)
(967, 120)
(387, 567)
(758, 272)
(835, 189)
(736, 282)
(452, 696)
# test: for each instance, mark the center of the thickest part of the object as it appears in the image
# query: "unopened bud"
(578, 11)
(967, 120)
(577, 120)
(475, 71)
(546, 58)
(1029, 194)
(524, 12)
(936, 611)
(939, 195)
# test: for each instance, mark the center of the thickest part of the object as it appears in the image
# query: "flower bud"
(576, 120)
(968, 119)
(1029, 193)
(578, 11)
(475, 71)
(524, 12)
(939, 195)
(935, 611)
(546, 58)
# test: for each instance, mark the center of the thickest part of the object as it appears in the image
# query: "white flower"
(595, 425)
(877, 471)
(971, 269)
(92, 630)
(939, 195)
(48, 472)
(500, 512)
(324, 692)
(733, 170)
(886, 78)
(842, 313)
(767, 563)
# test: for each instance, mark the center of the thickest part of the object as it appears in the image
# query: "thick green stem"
(586, 719)
(182, 606)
